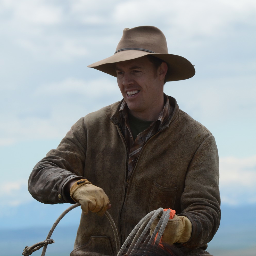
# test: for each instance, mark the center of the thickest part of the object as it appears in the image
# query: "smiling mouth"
(132, 93)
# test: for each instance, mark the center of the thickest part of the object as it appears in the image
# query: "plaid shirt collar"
(163, 118)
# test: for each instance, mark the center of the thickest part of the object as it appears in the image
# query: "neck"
(150, 114)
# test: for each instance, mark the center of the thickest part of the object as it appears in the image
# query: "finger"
(102, 202)
(106, 206)
(84, 206)
(101, 206)
(93, 205)
(101, 212)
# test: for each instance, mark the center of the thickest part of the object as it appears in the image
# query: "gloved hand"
(91, 198)
(178, 230)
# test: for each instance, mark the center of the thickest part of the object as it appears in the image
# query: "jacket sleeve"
(49, 177)
(200, 200)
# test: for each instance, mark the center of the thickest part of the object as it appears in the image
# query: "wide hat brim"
(179, 68)
(142, 41)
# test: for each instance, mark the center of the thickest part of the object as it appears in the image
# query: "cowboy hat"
(141, 41)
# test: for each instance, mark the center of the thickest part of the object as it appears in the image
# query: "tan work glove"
(91, 198)
(178, 230)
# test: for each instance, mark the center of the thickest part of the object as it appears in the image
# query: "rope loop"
(140, 234)
(29, 250)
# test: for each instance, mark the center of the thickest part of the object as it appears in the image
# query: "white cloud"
(57, 48)
(7, 141)
(32, 12)
(62, 31)
(94, 88)
(89, 12)
(56, 107)
(238, 171)
(192, 18)
(13, 193)
(216, 101)
(38, 27)
(186, 19)
(33, 128)
(238, 180)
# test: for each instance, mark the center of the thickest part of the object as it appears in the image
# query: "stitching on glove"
(77, 185)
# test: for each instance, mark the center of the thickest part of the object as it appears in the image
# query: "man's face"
(141, 86)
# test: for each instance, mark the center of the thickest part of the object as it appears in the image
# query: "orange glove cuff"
(172, 213)
(77, 185)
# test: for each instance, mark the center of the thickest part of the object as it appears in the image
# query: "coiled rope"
(140, 234)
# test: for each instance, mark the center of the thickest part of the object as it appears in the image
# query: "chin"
(132, 107)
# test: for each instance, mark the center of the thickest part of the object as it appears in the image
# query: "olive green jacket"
(178, 168)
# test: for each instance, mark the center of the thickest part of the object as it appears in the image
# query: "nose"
(127, 79)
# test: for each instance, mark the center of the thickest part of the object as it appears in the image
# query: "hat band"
(137, 49)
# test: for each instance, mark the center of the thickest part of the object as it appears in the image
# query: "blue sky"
(45, 85)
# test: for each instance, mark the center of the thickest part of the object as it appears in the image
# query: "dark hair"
(157, 62)
(156, 250)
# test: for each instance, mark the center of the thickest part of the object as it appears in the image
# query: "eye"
(136, 71)
(119, 73)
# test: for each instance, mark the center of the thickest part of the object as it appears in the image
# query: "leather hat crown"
(146, 40)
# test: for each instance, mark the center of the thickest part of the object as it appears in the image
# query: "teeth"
(132, 93)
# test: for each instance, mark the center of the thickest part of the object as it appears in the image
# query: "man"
(139, 154)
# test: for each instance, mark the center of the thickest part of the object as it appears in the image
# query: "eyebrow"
(132, 67)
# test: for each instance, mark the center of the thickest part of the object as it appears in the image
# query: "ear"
(162, 71)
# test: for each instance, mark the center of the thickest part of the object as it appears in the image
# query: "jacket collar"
(165, 117)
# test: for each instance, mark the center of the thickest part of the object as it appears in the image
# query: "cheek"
(119, 84)
(121, 88)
